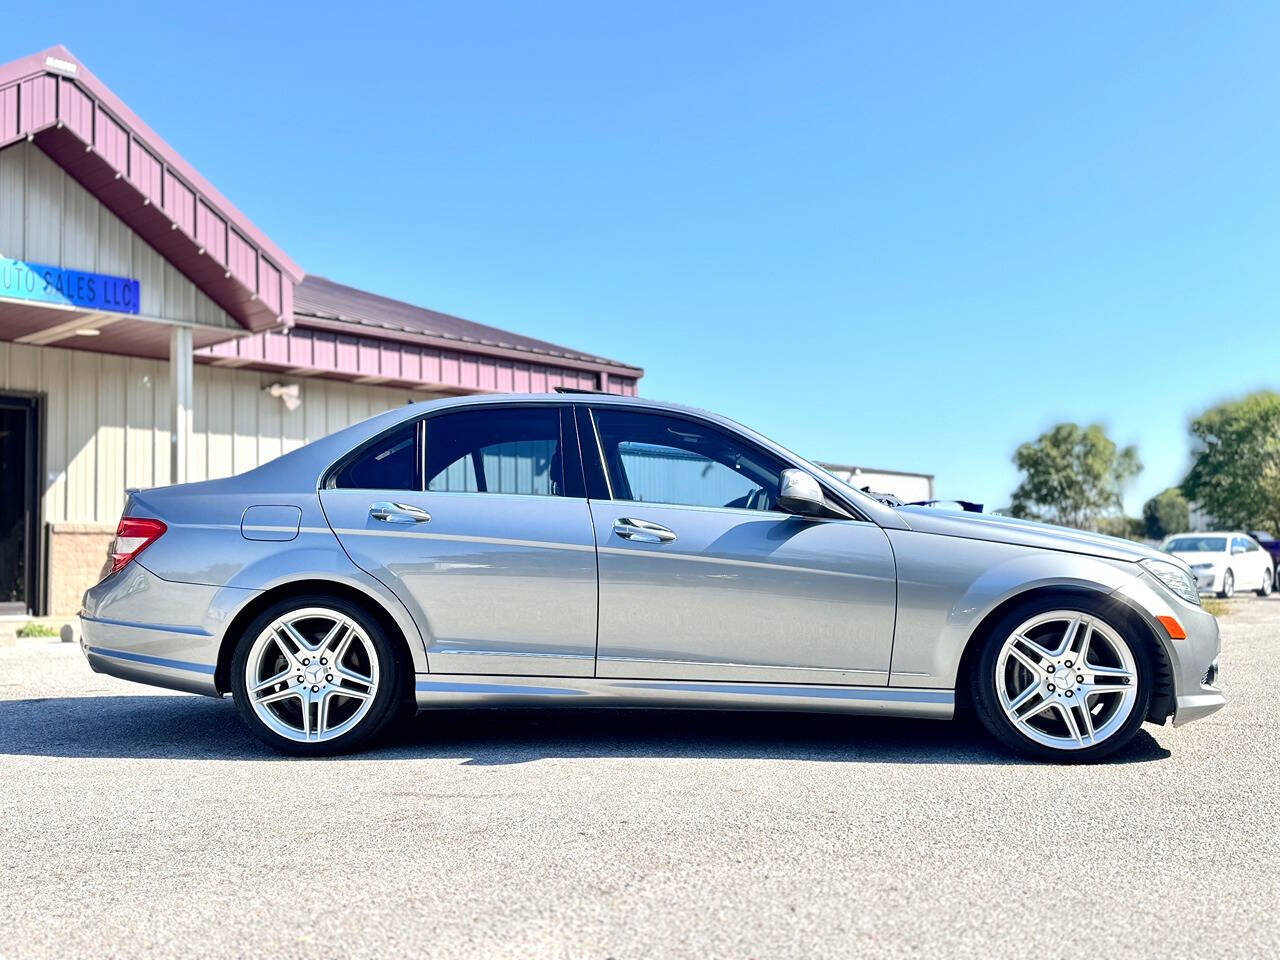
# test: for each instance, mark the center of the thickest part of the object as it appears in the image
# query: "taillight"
(133, 535)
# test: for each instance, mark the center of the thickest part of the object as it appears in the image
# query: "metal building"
(909, 487)
(150, 334)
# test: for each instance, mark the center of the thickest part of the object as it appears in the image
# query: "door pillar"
(181, 389)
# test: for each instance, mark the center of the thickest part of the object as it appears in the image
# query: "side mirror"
(1236, 551)
(800, 494)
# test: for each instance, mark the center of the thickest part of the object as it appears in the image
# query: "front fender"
(947, 586)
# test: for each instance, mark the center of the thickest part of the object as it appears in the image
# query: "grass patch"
(1219, 608)
(38, 630)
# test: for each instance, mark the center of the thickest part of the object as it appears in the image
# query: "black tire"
(388, 699)
(986, 700)
(1228, 586)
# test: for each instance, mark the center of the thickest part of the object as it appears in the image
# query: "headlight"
(1202, 567)
(1174, 577)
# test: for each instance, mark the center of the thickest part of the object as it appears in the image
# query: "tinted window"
(496, 450)
(390, 463)
(656, 459)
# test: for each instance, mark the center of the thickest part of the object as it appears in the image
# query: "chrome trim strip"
(463, 538)
(730, 562)
(485, 690)
(160, 627)
(897, 695)
(429, 686)
(471, 651)
(152, 661)
(744, 666)
(237, 527)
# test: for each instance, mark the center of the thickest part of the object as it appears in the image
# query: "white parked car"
(1224, 562)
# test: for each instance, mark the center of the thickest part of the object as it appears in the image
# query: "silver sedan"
(586, 550)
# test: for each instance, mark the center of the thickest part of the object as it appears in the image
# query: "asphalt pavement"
(140, 823)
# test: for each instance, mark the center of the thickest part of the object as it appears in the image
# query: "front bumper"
(1193, 659)
(136, 626)
(1206, 581)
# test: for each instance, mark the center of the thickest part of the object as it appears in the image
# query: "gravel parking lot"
(142, 823)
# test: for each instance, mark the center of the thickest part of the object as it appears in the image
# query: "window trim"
(601, 464)
(329, 477)
(574, 481)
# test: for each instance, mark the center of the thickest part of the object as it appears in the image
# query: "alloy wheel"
(311, 675)
(1228, 585)
(1066, 680)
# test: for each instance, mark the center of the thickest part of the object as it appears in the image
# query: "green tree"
(1118, 525)
(1072, 475)
(1235, 468)
(1165, 513)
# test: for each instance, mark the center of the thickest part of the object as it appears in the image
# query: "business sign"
(39, 282)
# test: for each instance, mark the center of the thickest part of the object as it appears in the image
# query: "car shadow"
(185, 727)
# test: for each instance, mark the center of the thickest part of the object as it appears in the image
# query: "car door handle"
(398, 512)
(642, 531)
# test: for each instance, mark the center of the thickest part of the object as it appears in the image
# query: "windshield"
(1196, 545)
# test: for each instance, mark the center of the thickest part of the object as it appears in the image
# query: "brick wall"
(77, 552)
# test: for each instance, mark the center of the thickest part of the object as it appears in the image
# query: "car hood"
(1029, 533)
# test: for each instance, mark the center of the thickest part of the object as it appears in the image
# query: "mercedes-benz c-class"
(586, 550)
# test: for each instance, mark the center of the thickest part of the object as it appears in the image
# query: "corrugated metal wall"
(47, 217)
(107, 419)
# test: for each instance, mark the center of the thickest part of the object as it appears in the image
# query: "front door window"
(658, 459)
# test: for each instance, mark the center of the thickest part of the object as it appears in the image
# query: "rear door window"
(391, 462)
(504, 450)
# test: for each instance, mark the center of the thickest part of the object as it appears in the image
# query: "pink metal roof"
(301, 351)
(319, 299)
(53, 99)
(350, 334)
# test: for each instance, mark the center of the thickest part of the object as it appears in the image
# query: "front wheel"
(1228, 586)
(1268, 581)
(1062, 679)
(315, 676)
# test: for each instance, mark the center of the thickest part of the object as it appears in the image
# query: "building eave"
(53, 100)
(462, 344)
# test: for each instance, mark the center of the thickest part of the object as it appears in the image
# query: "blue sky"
(899, 235)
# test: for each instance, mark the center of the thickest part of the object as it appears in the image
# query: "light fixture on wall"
(288, 394)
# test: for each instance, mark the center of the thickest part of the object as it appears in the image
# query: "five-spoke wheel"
(1057, 680)
(315, 675)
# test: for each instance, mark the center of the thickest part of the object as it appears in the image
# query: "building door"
(19, 504)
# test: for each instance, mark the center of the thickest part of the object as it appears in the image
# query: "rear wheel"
(1062, 679)
(1228, 586)
(315, 676)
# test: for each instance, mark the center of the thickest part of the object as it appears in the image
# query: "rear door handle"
(398, 512)
(642, 531)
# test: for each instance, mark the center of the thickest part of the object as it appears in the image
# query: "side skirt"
(455, 690)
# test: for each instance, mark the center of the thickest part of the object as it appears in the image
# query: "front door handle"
(642, 531)
(398, 512)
